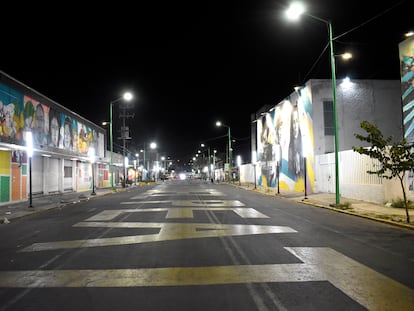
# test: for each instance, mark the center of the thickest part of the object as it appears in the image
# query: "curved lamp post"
(209, 160)
(229, 156)
(293, 13)
(127, 96)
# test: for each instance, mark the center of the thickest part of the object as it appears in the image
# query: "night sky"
(190, 63)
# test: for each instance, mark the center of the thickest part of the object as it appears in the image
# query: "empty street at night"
(195, 245)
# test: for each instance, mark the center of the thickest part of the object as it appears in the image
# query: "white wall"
(354, 181)
(377, 101)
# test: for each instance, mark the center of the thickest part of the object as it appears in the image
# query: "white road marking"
(177, 212)
(168, 232)
(369, 288)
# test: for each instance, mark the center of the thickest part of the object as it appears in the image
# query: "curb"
(404, 225)
(60, 204)
(280, 196)
(81, 198)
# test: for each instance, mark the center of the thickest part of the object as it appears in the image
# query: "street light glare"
(153, 145)
(218, 123)
(346, 56)
(128, 96)
(295, 10)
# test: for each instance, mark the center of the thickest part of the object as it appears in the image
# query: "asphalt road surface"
(193, 245)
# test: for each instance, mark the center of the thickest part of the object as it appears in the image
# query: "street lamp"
(254, 161)
(209, 161)
(229, 159)
(29, 144)
(153, 146)
(239, 161)
(91, 154)
(126, 165)
(127, 96)
(213, 167)
(293, 13)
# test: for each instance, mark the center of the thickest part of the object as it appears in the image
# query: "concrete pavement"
(377, 212)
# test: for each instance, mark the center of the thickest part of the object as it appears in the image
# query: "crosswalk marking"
(207, 203)
(177, 212)
(147, 202)
(158, 193)
(371, 289)
(168, 232)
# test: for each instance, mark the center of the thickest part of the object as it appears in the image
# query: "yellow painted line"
(188, 194)
(161, 276)
(180, 213)
(249, 213)
(222, 203)
(207, 192)
(147, 202)
(177, 212)
(189, 212)
(168, 232)
(112, 214)
(369, 288)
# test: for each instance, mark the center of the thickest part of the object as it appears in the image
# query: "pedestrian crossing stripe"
(167, 232)
(364, 285)
(107, 215)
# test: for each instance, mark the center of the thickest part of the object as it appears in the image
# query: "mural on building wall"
(11, 109)
(50, 128)
(285, 138)
(407, 86)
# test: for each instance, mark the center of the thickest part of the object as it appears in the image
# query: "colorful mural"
(284, 140)
(407, 86)
(50, 128)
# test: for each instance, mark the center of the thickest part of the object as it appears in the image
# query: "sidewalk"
(12, 211)
(377, 212)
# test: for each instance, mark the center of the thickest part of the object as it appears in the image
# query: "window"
(328, 118)
(68, 171)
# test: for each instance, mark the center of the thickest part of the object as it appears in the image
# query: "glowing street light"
(346, 55)
(293, 13)
(127, 96)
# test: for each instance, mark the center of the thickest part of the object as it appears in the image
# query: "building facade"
(62, 143)
(289, 137)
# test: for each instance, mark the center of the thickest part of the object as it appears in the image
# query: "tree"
(394, 159)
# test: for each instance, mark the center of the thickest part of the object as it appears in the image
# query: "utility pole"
(125, 136)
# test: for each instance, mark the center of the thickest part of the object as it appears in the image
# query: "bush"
(399, 203)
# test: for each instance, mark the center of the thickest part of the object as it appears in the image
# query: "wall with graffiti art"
(61, 142)
(51, 128)
(284, 140)
(407, 86)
